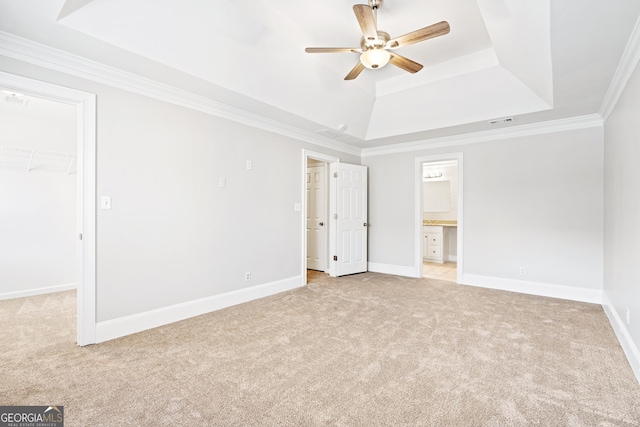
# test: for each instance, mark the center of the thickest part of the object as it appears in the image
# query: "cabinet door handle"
(321, 224)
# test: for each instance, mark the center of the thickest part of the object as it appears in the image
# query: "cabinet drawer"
(434, 239)
(434, 252)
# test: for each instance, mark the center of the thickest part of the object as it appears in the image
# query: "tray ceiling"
(535, 61)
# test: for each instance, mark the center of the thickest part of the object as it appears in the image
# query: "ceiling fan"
(377, 47)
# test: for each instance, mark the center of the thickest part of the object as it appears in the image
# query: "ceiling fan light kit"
(376, 46)
(375, 58)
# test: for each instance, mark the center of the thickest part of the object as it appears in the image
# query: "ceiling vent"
(328, 133)
(504, 120)
(13, 99)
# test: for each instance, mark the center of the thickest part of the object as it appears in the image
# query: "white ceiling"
(533, 60)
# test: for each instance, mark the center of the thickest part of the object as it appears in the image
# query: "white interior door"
(350, 219)
(316, 218)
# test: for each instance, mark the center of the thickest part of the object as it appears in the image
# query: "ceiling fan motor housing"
(377, 43)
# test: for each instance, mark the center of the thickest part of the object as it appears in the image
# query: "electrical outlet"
(247, 276)
(249, 167)
(628, 316)
(523, 271)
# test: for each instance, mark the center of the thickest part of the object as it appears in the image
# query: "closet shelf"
(31, 159)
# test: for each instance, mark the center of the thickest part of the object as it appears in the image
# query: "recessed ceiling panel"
(495, 61)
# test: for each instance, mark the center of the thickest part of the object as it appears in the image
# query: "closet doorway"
(84, 232)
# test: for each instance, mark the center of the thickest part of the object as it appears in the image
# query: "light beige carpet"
(363, 350)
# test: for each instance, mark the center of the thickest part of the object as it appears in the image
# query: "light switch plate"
(105, 202)
(297, 207)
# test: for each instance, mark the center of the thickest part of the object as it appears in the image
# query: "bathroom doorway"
(439, 217)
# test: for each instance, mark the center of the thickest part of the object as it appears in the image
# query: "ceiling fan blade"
(355, 72)
(332, 50)
(405, 63)
(364, 15)
(435, 30)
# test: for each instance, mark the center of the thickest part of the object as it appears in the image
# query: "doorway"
(37, 195)
(439, 217)
(317, 225)
(317, 215)
(85, 104)
(344, 218)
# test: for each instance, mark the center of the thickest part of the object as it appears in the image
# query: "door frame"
(419, 162)
(308, 154)
(86, 192)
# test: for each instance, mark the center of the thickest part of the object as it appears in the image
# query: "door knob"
(321, 224)
(365, 224)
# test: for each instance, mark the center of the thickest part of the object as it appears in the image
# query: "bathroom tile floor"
(446, 271)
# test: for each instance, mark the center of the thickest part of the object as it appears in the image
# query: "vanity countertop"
(442, 222)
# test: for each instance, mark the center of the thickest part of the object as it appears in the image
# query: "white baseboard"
(533, 288)
(127, 325)
(396, 270)
(453, 258)
(629, 347)
(38, 291)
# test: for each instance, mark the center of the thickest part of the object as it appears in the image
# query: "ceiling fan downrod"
(375, 5)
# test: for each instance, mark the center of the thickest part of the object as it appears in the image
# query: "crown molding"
(44, 56)
(572, 123)
(626, 66)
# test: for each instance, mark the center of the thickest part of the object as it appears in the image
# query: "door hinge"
(335, 216)
(335, 257)
(335, 174)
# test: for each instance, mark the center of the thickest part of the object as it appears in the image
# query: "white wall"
(173, 236)
(37, 208)
(622, 219)
(534, 202)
